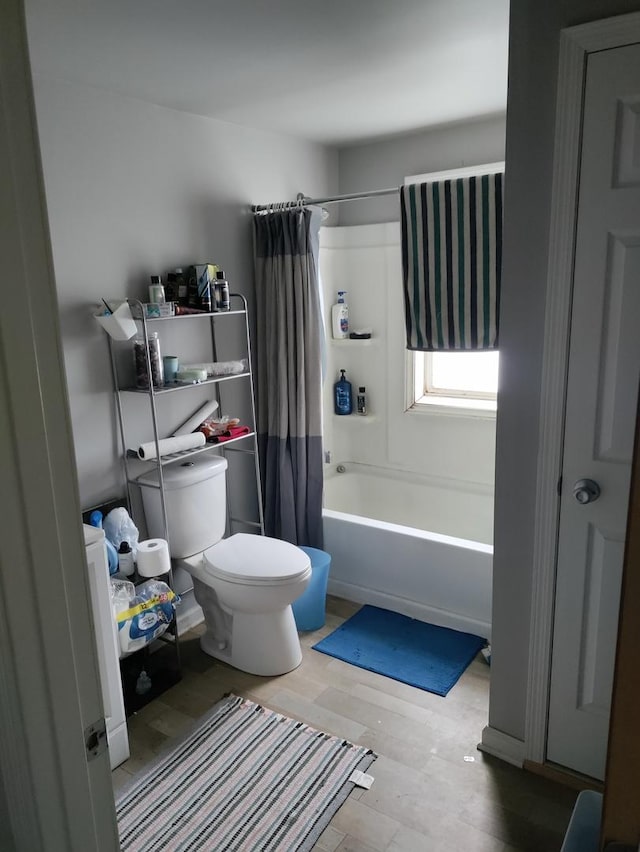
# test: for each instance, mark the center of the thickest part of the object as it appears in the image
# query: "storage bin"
(120, 325)
(309, 608)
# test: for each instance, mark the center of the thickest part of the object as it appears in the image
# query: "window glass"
(462, 373)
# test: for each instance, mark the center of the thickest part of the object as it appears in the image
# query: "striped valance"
(451, 258)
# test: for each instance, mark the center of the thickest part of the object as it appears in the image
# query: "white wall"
(386, 163)
(452, 449)
(534, 33)
(134, 189)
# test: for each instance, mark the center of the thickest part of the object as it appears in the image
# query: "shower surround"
(409, 525)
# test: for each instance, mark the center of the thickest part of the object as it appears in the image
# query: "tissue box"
(153, 310)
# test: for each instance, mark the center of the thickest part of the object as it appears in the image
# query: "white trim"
(455, 406)
(413, 609)
(421, 403)
(503, 746)
(575, 45)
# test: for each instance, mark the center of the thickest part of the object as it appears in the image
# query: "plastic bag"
(142, 613)
(213, 426)
(119, 527)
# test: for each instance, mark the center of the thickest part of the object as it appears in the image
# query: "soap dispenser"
(340, 317)
(342, 399)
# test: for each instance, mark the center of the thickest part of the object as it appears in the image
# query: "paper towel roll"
(153, 557)
(172, 445)
(197, 418)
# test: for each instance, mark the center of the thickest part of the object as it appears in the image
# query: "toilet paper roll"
(172, 445)
(197, 418)
(153, 557)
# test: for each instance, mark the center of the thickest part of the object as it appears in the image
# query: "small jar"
(140, 362)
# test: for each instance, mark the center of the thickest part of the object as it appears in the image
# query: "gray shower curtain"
(288, 367)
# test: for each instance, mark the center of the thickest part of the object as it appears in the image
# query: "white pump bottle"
(340, 317)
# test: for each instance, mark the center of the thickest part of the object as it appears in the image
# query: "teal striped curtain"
(452, 259)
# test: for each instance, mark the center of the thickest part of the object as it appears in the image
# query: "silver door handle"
(586, 491)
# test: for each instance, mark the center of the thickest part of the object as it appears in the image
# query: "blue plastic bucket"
(309, 608)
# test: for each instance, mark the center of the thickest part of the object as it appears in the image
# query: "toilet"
(245, 584)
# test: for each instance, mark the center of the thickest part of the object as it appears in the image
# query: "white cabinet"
(107, 645)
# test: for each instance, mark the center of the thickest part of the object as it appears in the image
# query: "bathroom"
(112, 222)
(212, 172)
(182, 222)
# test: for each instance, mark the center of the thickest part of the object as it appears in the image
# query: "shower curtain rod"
(303, 201)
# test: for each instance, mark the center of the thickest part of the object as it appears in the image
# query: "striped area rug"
(244, 778)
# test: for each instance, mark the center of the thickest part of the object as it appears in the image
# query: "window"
(453, 380)
(456, 379)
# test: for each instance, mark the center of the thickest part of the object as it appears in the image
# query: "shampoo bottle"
(361, 400)
(340, 317)
(342, 399)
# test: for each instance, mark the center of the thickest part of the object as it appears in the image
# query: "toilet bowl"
(245, 584)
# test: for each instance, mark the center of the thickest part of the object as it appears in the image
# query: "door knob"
(586, 491)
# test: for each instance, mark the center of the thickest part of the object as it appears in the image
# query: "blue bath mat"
(411, 651)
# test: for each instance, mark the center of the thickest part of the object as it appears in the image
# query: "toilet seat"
(253, 560)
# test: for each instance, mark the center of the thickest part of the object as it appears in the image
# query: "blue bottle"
(95, 520)
(342, 399)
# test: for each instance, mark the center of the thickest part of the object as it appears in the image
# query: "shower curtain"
(288, 367)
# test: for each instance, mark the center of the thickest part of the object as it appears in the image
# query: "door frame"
(576, 43)
(51, 795)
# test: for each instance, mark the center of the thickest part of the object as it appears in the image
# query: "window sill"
(455, 406)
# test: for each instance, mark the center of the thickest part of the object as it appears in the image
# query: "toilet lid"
(255, 559)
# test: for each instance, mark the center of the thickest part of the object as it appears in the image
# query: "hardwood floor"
(433, 789)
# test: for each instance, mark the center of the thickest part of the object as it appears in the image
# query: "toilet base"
(264, 644)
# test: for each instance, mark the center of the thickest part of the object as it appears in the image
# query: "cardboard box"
(154, 310)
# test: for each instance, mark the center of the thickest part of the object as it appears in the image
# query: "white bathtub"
(402, 543)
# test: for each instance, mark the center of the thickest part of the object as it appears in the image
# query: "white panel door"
(604, 368)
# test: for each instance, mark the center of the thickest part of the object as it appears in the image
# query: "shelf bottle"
(342, 398)
(361, 401)
(340, 317)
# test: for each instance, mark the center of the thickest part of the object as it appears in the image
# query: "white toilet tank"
(196, 502)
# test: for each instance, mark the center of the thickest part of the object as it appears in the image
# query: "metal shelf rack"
(246, 444)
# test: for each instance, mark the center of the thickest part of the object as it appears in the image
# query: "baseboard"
(564, 776)
(503, 746)
(414, 609)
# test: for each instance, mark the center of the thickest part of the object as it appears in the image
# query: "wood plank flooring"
(433, 789)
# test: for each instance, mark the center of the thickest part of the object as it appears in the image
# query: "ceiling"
(333, 71)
